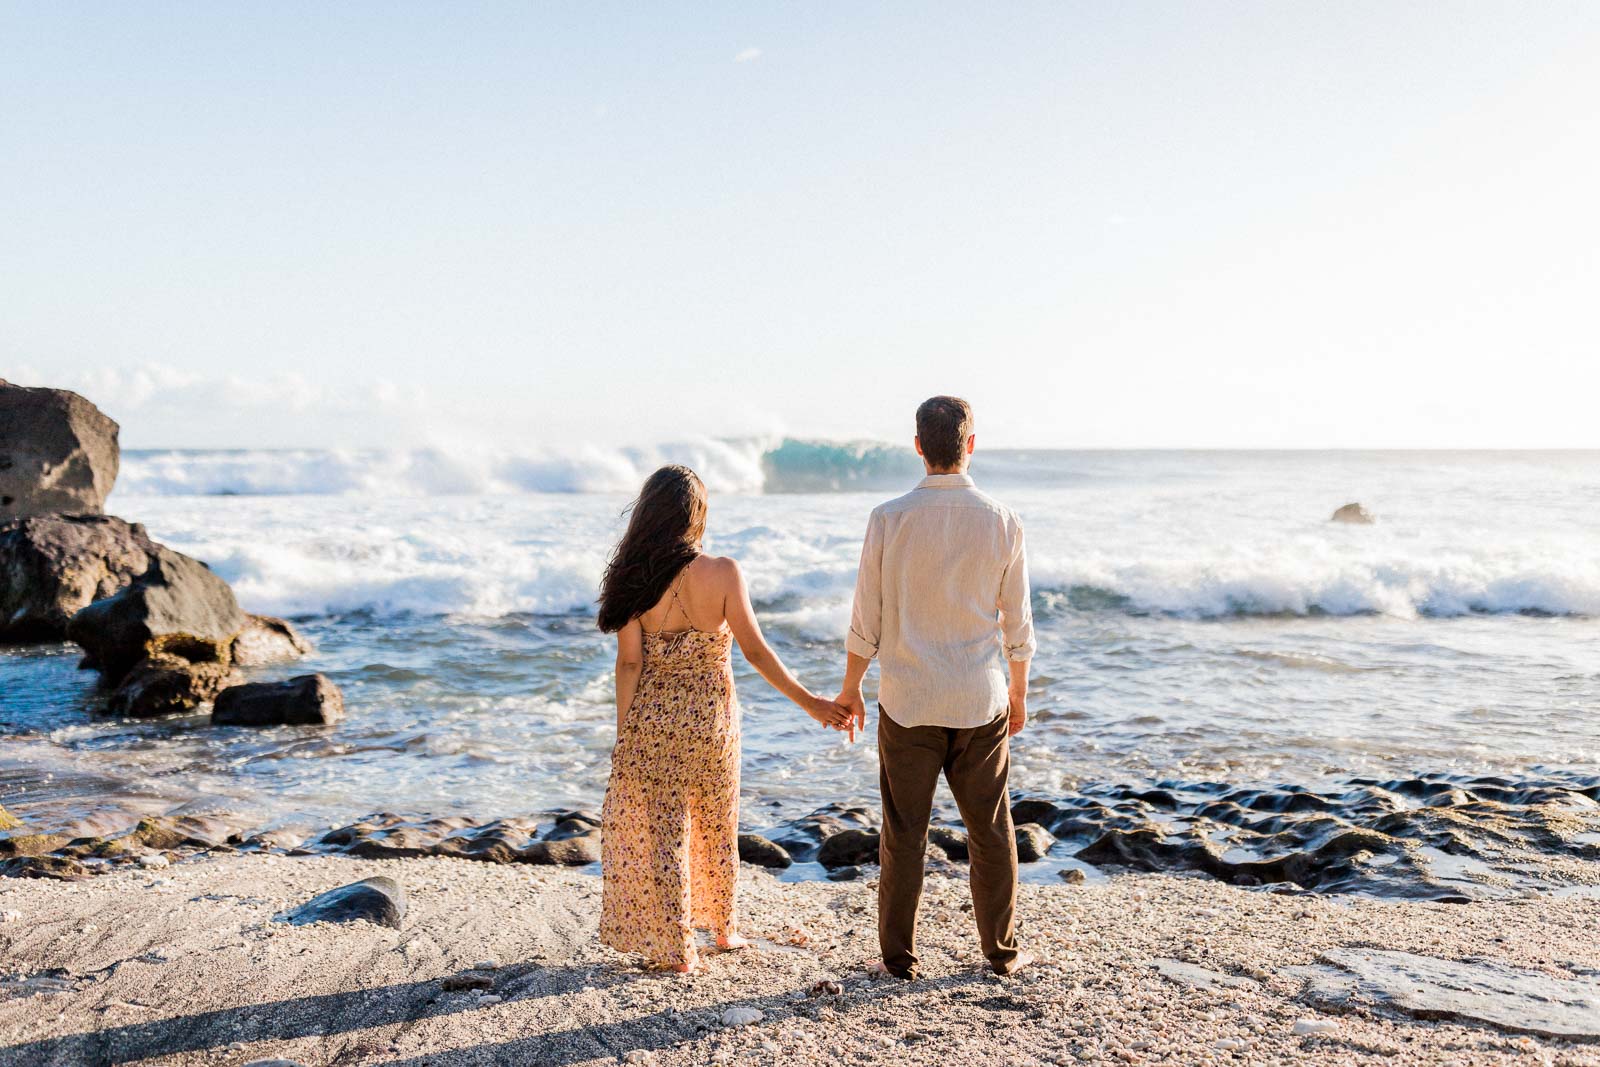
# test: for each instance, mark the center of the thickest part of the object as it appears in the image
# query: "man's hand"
(1018, 702)
(853, 702)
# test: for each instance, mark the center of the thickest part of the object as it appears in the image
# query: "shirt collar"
(946, 481)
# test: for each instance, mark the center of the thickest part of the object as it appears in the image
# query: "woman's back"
(695, 600)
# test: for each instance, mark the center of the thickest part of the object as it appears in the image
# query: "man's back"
(942, 602)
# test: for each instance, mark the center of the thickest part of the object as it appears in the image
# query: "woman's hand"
(827, 712)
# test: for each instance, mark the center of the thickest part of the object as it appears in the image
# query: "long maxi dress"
(669, 845)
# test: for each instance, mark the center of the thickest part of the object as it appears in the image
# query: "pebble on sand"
(1303, 1027)
(741, 1016)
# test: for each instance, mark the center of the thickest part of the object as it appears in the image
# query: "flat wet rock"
(1197, 977)
(1521, 1001)
(376, 900)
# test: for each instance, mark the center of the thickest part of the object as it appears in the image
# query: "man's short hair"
(943, 425)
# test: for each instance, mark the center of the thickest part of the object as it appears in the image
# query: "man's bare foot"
(1023, 959)
(879, 969)
(732, 942)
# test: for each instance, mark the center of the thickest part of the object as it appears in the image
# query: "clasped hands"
(846, 712)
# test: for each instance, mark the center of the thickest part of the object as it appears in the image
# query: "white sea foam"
(1198, 536)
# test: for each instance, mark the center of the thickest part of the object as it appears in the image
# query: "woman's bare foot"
(731, 942)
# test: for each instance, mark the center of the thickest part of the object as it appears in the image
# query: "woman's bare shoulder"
(720, 570)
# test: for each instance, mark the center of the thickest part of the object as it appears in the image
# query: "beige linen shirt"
(941, 602)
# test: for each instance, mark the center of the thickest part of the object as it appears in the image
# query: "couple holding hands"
(941, 602)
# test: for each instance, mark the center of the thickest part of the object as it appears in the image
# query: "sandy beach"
(186, 965)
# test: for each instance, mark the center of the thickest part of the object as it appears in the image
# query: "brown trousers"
(976, 762)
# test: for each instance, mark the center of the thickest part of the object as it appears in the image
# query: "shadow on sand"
(330, 1014)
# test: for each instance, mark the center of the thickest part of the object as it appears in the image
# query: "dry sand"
(185, 965)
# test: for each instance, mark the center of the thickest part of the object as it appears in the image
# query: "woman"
(670, 848)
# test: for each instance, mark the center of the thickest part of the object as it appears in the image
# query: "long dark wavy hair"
(664, 530)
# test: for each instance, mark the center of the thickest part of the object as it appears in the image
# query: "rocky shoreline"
(1449, 839)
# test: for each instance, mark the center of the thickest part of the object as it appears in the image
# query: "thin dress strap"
(676, 601)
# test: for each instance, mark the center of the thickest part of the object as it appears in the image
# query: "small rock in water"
(1304, 1027)
(307, 700)
(1033, 841)
(741, 1017)
(753, 848)
(844, 874)
(1072, 876)
(1353, 513)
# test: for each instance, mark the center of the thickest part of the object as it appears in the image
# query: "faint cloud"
(1116, 220)
(749, 55)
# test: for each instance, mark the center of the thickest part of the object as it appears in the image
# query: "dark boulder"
(804, 835)
(53, 566)
(950, 841)
(310, 699)
(1354, 513)
(177, 601)
(1032, 809)
(753, 848)
(167, 683)
(265, 639)
(1033, 842)
(849, 848)
(58, 453)
(376, 900)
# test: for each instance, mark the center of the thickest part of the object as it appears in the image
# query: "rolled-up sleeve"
(866, 615)
(1016, 603)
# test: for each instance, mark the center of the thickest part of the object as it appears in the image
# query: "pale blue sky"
(1273, 224)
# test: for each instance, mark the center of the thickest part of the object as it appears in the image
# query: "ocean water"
(1200, 623)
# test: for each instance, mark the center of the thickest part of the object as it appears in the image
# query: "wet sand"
(185, 965)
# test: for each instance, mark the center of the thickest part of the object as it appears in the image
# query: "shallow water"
(1199, 620)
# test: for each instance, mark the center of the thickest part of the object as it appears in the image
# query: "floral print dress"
(670, 849)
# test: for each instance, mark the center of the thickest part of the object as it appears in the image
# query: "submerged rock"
(1354, 513)
(1510, 998)
(176, 605)
(58, 453)
(310, 699)
(753, 848)
(378, 900)
(53, 566)
(167, 683)
(849, 848)
(265, 639)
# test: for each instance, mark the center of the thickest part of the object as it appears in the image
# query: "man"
(942, 603)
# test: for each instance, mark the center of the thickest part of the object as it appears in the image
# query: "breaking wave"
(747, 465)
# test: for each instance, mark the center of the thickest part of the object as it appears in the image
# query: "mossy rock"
(31, 844)
(9, 821)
